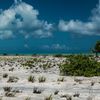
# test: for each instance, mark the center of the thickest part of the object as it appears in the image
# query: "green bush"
(80, 65)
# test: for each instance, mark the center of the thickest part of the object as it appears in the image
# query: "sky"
(49, 26)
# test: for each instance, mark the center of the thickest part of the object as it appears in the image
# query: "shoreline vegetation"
(50, 54)
(87, 65)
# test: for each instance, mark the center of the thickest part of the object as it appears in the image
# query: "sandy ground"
(59, 87)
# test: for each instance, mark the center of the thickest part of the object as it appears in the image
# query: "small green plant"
(56, 92)
(36, 90)
(68, 97)
(76, 95)
(13, 79)
(7, 89)
(46, 66)
(1, 98)
(29, 63)
(92, 83)
(90, 98)
(61, 79)
(77, 80)
(10, 94)
(31, 78)
(5, 75)
(11, 69)
(48, 98)
(27, 98)
(41, 79)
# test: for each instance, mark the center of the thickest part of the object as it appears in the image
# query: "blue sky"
(49, 26)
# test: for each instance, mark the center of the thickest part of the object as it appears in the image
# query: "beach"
(20, 82)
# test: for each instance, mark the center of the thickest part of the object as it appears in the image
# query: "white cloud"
(22, 18)
(26, 46)
(91, 27)
(58, 46)
(55, 47)
(6, 34)
(42, 33)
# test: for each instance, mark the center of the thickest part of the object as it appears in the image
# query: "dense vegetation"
(80, 65)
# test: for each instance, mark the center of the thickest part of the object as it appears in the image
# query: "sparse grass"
(89, 98)
(30, 63)
(36, 90)
(13, 79)
(10, 94)
(92, 83)
(68, 97)
(76, 95)
(17, 91)
(61, 79)
(5, 75)
(46, 66)
(41, 79)
(11, 69)
(48, 98)
(7, 89)
(1, 98)
(77, 80)
(31, 78)
(56, 92)
(27, 98)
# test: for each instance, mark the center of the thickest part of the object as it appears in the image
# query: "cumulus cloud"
(92, 27)
(22, 18)
(56, 47)
(26, 46)
(6, 34)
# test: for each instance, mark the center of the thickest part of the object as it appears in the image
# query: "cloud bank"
(92, 27)
(56, 47)
(22, 19)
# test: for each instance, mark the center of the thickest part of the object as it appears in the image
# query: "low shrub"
(7, 89)
(31, 79)
(41, 79)
(56, 92)
(68, 97)
(48, 98)
(13, 79)
(37, 90)
(61, 79)
(80, 65)
(5, 75)
(10, 94)
(27, 98)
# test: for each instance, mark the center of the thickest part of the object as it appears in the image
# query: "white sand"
(68, 87)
